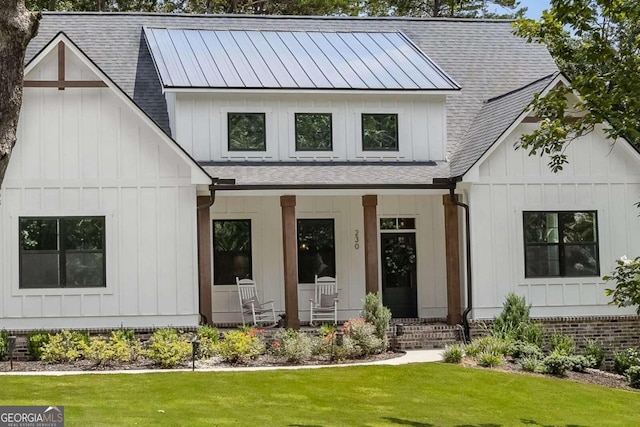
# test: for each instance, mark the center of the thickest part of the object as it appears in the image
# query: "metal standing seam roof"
(188, 58)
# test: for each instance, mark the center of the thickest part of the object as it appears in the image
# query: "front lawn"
(417, 395)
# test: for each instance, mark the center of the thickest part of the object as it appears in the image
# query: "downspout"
(467, 310)
(212, 198)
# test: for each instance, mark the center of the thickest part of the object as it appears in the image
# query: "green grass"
(417, 395)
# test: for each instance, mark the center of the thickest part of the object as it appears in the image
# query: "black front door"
(399, 285)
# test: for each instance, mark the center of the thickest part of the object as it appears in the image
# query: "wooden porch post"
(204, 259)
(290, 250)
(452, 242)
(369, 206)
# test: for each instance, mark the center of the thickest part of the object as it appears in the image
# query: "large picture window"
(62, 252)
(316, 249)
(246, 132)
(561, 244)
(380, 132)
(313, 131)
(231, 251)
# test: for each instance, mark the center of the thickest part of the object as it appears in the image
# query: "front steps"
(423, 334)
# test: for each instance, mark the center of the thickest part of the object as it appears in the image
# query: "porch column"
(204, 259)
(369, 207)
(290, 251)
(452, 242)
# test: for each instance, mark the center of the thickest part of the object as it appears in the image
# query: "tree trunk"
(17, 27)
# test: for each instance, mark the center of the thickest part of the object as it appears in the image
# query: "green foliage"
(347, 350)
(364, 336)
(563, 344)
(65, 346)
(239, 346)
(581, 363)
(375, 313)
(443, 8)
(208, 338)
(326, 329)
(36, 340)
(557, 363)
(488, 344)
(625, 360)
(530, 364)
(627, 279)
(121, 347)
(525, 350)
(4, 344)
(167, 347)
(453, 354)
(594, 350)
(292, 346)
(514, 323)
(633, 375)
(489, 360)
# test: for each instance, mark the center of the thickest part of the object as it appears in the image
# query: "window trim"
(213, 248)
(295, 131)
(264, 139)
(62, 252)
(396, 149)
(561, 244)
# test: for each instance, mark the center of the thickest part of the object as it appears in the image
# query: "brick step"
(424, 336)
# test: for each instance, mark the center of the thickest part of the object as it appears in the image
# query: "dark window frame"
(397, 137)
(330, 272)
(561, 244)
(213, 248)
(62, 251)
(264, 139)
(295, 124)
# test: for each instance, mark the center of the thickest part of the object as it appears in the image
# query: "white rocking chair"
(324, 305)
(261, 314)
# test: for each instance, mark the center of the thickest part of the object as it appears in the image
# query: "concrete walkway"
(411, 356)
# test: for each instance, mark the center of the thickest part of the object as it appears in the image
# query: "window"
(380, 132)
(231, 251)
(246, 131)
(313, 132)
(65, 252)
(397, 223)
(316, 249)
(561, 244)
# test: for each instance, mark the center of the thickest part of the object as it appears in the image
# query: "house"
(161, 156)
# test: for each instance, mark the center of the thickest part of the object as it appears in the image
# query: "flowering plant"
(627, 278)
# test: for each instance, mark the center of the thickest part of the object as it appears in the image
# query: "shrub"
(530, 364)
(633, 375)
(291, 345)
(515, 312)
(489, 360)
(378, 315)
(364, 337)
(557, 363)
(345, 351)
(488, 344)
(65, 346)
(166, 348)
(522, 349)
(453, 354)
(532, 333)
(625, 360)
(208, 337)
(595, 351)
(562, 344)
(239, 346)
(627, 279)
(36, 340)
(4, 344)
(321, 345)
(326, 329)
(581, 363)
(121, 347)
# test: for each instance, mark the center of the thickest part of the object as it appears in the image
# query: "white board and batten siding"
(199, 122)
(81, 152)
(599, 177)
(267, 255)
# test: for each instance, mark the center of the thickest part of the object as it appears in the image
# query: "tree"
(17, 27)
(444, 8)
(596, 44)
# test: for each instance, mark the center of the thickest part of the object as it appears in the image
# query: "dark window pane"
(542, 261)
(84, 270)
(541, 227)
(380, 132)
(83, 233)
(578, 227)
(581, 260)
(231, 251)
(406, 223)
(316, 249)
(247, 132)
(388, 223)
(38, 234)
(38, 270)
(313, 132)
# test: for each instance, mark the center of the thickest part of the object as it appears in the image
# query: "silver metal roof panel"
(292, 60)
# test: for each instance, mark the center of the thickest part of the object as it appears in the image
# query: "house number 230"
(356, 240)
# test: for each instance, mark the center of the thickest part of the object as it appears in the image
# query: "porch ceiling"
(367, 174)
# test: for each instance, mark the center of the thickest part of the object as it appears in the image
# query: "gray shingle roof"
(495, 117)
(482, 56)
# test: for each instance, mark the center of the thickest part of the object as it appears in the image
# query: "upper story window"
(231, 251)
(313, 132)
(561, 244)
(379, 132)
(316, 249)
(246, 132)
(62, 252)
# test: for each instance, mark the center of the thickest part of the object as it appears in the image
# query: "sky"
(535, 7)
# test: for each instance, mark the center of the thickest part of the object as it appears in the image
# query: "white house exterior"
(140, 145)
